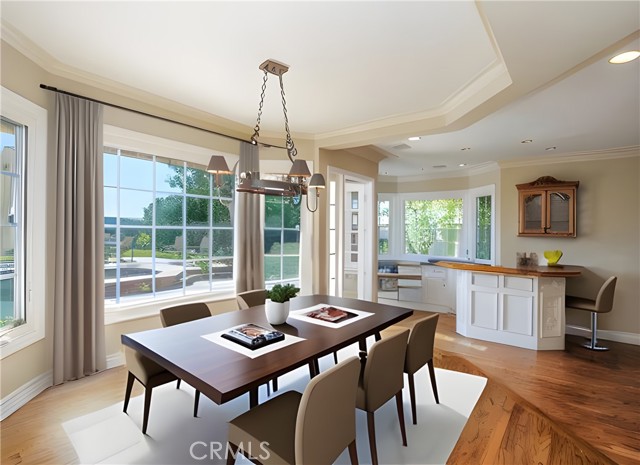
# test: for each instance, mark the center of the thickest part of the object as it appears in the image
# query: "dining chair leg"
(127, 394)
(335, 357)
(372, 438)
(232, 453)
(275, 384)
(412, 395)
(353, 453)
(178, 384)
(196, 403)
(432, 375)
(253, 397)
(400, 409)
(147, 407)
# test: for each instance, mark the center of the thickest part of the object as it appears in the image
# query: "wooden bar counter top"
(559, 271)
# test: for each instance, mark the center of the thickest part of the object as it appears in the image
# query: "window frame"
(126, 139)
(34, 117)
(467, 235)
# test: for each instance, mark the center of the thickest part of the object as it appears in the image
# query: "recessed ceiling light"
(551, 148)
(526, 141)
(625, 57)
(462, 164)
(414, 138)
(465, 148)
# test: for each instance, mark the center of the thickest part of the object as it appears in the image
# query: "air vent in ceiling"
(401, 147)
(439, 166)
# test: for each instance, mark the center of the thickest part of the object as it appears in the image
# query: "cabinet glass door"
(533, 216)
(559, 211)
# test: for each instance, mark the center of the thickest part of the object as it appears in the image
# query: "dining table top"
(223, 374)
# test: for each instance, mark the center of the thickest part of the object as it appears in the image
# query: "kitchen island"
(522, 306)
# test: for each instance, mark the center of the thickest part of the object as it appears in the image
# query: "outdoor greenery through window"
(433, 227)
(12, 310)
(168, 228)
(483, 227)
(281, 240)
(383, 227)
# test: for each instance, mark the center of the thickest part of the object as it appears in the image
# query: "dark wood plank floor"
(571, 406)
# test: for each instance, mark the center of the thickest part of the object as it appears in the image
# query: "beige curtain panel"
(78, 338)
(249, 229)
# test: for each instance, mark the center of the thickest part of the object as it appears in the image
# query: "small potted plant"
(277, 303)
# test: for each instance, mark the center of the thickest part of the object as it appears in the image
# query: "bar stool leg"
(593, 344)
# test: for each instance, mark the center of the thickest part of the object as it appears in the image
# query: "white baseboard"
(115, 360)
(616, 336)
(25, 393)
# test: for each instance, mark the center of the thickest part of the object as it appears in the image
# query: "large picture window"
(281, 240)
(168, 228)
(433, 227)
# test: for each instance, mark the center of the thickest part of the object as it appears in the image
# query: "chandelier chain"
(256, 129)
(291, 148)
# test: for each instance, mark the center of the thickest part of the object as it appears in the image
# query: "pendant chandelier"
(298, 181)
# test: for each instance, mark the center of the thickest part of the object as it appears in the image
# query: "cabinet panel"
(517, 314)
(484, 309)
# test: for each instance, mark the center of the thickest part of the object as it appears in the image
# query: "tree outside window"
(432, 227)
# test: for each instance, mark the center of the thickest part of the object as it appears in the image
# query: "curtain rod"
(55, 89)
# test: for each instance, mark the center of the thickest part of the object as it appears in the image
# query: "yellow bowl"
(552, 256)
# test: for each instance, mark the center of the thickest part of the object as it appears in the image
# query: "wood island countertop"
(561, 271)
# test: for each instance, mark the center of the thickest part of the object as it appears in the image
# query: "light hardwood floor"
(572, 406)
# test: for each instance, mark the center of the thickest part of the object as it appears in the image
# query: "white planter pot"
(276, 312)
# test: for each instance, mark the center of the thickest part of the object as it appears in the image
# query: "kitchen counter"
(522, 306)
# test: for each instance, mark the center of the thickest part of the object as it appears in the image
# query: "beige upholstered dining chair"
(149, 374)
(178, 314)
(603, 303)
(302, 429)
(382, 379)
(251, 298)
(419, 353)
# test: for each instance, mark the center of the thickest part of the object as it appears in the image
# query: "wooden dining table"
(223, 374)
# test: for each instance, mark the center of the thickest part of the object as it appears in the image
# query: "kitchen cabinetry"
(547, 207)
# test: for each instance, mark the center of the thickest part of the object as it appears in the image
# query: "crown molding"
(475, 170)
(574, 157)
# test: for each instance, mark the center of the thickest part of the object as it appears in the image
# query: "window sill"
(115, 314)
(19, 338)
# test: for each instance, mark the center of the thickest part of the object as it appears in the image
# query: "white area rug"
(174, 436)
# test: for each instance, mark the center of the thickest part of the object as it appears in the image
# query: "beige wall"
(608, 232)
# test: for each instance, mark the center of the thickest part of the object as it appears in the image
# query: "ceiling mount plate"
(274, 67)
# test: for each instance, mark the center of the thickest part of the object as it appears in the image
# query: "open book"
(330, 314)
(253, 336)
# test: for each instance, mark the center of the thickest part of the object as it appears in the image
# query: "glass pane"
(198, 243)
(432, 227)
(222, 242)
(110, 245)
(354, 201)
(272, 212)
(483, 227)
(197, 275)
(136, 170)
(383, 240)
(291, 242)
(272, 270)
(110, 205)
(7, 299)
(291, 213)
(383, 212)
(291, 267)
(559, 212)
(169, 175)
(169, 210)
(136, 207)
(222, 212)
(110, 167)
(533, 212)
(169, 244)
(222, 269)
(135, 270)
(197, 180)
(272, 241)
(197, 211)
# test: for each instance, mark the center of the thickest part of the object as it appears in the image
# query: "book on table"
(253, 336)
(331, 314)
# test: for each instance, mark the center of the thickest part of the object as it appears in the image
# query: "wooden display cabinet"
(547, 207)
